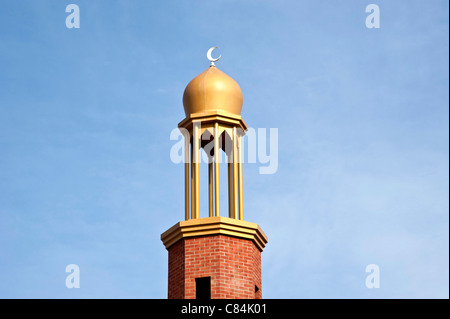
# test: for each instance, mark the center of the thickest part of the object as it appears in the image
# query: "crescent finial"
(210, 58)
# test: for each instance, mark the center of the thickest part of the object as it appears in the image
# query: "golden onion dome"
(212, 90)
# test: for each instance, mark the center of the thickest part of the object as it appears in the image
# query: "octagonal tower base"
(214, 257)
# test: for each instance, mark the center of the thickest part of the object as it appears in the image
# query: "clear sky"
(363, 142)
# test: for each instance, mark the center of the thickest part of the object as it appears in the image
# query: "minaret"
(213, 256)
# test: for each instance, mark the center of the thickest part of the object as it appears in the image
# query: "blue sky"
(362, 117)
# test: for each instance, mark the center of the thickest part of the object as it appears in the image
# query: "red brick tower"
(214, 257)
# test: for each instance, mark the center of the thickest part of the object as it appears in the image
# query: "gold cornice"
(214, 226)
(211, 117)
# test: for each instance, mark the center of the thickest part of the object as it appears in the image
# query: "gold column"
(230, 188)
(235, 184)
(210, 186)
(196, 171)
(186, 176)
(241, 191)
(216, 167)
(192, 180)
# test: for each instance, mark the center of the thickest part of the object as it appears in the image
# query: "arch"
(227, 141)
(207, 143)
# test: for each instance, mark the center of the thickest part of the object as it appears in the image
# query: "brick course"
(234, 265)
